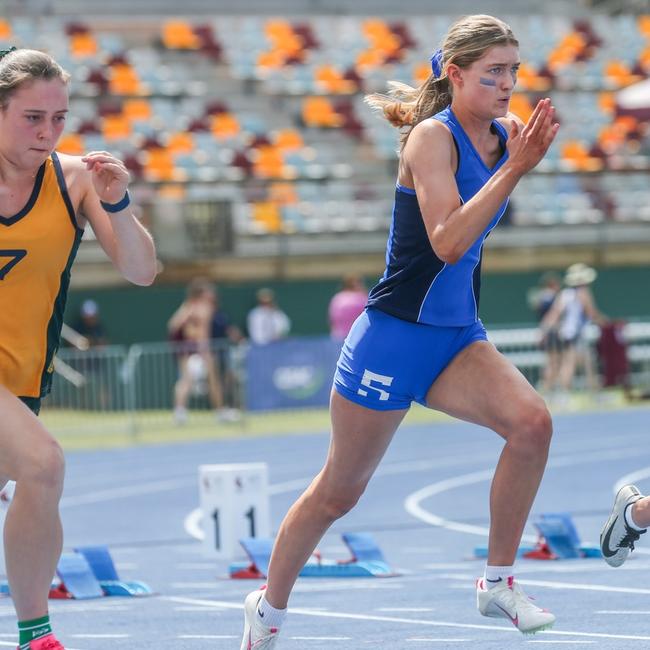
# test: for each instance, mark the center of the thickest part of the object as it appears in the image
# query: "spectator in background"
(191, 329)
(540, 300)
(225, 337)
(572, 310)
(94, 364)
(346, 305)
(267, 322)
(89, 324)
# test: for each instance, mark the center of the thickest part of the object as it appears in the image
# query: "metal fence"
(131, 390)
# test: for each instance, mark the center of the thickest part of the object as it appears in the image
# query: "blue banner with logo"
(292, 373)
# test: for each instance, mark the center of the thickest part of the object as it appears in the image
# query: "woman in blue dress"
(420, 338)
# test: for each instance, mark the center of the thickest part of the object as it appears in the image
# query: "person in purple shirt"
(346, 305)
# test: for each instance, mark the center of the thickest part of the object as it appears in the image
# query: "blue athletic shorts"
(386, 362)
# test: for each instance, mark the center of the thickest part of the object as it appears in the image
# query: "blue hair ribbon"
(436, 63)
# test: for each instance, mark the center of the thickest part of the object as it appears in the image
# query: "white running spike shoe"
(257, 636)
(508, 600)
(617, 538)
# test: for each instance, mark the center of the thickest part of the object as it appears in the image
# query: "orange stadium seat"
(319, 112)
(83, 45)
(374, 27)
(607, 102)
(643, 23)
(626, 123)
(268, 215)
(288, 140)
(285, 43)
(272, 59)
(179, 35)
(567, 51)
(137, 110)
(71, 143)
(331, 80)
(529, 79)
(158, 165)
(611, 138)
(116, 127)
(277, 29)
(180, 142)
(224, 126)
(370, 58)
(421, 73)
(268, 162)
(124, 80)
(520, 105)
(576, 154)
(619, 73)
(5, 30)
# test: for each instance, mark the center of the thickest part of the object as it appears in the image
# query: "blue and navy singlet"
(417, 286)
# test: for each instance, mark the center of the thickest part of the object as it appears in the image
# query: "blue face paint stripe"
(484, 81)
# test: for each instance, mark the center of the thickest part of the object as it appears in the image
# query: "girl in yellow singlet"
(46, 199)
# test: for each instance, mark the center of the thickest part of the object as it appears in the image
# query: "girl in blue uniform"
(420, 337)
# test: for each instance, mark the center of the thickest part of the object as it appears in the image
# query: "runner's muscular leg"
(359, 439)
(30, 456)
(482, 386)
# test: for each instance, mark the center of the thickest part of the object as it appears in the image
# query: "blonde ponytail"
(466, 41)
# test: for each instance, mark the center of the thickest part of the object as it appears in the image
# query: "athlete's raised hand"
(109, 174)
(528, 145)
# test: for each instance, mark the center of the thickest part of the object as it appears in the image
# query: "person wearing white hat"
(573, 309)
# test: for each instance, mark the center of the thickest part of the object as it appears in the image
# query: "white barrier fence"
(132, 389)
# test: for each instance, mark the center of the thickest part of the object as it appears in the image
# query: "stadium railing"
(129, 390)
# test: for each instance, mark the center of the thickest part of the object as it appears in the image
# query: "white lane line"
(550, 584)
(408, 621)
(320, 638)
(13, 645)
(196, 565)
(584, 587)
(71, 609)
(316, 588)
(124, 492)
(192, 524)
(616, 612)
(425, 639)
(100, 636)
(405, 609)
(413, 507)
(583, 566)
(207, 636)
(572, 642)
(632, 477)
(448, 566)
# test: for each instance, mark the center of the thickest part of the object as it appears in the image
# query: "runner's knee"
(335, 502)
(45, 466)
(531, 433)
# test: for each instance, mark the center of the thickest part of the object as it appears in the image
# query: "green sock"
(34, 629)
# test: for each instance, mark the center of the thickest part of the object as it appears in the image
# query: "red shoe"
(47, 642)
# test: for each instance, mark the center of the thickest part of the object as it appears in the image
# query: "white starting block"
(235, 504)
